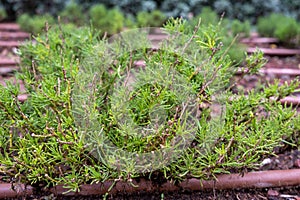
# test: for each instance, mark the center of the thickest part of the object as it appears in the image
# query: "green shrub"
(130, 22)
(97, 12)
(43, 144)
(266, 26)
(73, 13)
(236, 51)
(208, 16)
(3, 14)
(23, 21)
(241, 28)
(288, 32)
(242, 10)
(142, 19)
(154, 18)
(285, 28)
(115, 21)
(110, 21)
(34, 24)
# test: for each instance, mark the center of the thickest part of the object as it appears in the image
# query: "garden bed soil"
(283, 193)
(289, 62)
(238, 194)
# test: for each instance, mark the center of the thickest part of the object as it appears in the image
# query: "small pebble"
(297, 163)
(266, 161)
(273, 193)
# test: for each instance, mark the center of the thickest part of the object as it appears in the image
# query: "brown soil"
(287, 193)
(290, 62)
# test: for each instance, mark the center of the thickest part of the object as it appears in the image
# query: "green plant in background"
(41, 144)
(241, 28)
(289, 32)
(232, 33)
(285, 28)
(110, 21)
(242, 10)
(266, 26)
(130, 22)
(34, 24)
(3, 14)
(154, 18)
(73, 13)
(208, 16)
(113, 20)
(97, 12)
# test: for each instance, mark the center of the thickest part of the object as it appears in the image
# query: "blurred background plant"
(112, 16)
(155, 18)
(285, 28)
(73, 13)
(241, 28)
(108, 20)
(241, 10)
(34, 24)
(3, 14)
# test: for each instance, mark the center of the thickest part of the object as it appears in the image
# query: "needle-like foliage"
(49, 139)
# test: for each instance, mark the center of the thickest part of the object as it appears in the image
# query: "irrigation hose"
(260, 179)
